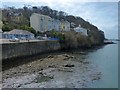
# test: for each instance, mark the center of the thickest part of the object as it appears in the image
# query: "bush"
(6, 28)
(56, 34)
(30, 29)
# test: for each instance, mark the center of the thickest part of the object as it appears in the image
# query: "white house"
(81, 30)
(20, 34)
(56, 25)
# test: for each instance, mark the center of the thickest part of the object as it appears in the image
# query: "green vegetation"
(72, 39)
(20, 19)
(30, 29)
(57, 35)
(6, 28)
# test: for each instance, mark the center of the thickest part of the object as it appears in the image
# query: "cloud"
(61, 1)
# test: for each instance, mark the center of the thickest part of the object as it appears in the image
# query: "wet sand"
(63, 70)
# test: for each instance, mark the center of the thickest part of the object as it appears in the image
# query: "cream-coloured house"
(44, 23)
(41, 22)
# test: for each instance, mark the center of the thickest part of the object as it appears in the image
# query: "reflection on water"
(106, 60)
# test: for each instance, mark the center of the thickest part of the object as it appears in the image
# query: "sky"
(101, 13)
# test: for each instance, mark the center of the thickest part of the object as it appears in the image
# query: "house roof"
(80, 28)
(39, 15)
(17, 31)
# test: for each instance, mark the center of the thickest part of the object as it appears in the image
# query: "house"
(1, 33)
(20, 34)
(56, 25)
(83, 31)
(41, 22)
(65, 26)
(61, 25)
(44, 23)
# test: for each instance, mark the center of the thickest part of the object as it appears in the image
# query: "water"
(106, 60)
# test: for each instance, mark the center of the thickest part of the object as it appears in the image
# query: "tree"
(30, 29)
(6, 28)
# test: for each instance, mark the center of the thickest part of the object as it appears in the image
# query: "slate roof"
(18, 31)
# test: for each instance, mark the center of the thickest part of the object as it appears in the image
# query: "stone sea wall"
(13, 50)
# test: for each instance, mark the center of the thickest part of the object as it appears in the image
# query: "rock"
(83, 53)
(72, 57)
(85, 62)
(41, 59)
(69, 65)
(41, 69)
(96, 76)
(66, 59)
(50, 56)
(81, 61)
(40, 72)
(65, 55)
(52, 66)
(65, 70)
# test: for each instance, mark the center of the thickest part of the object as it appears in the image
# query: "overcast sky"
(102, 13)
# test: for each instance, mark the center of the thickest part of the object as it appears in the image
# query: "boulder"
(69, 65)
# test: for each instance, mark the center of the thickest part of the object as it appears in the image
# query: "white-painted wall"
(81, 30)
(0, 33)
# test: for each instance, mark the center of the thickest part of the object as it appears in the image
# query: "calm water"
(106, 60)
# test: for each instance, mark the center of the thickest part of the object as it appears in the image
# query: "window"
(41, 19)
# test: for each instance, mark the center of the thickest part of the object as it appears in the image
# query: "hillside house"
(65, 25)
(1, 33)
(41, 22)
(81, 30)
(44, 23)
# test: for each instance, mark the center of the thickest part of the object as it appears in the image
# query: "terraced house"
(44, 23)
(1, 33)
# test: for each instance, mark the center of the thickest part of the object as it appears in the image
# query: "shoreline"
(13, 62)
(52, 71)
(50, 68)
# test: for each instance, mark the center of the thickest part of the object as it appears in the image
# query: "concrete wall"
(12, 50)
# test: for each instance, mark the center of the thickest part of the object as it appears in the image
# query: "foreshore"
(53, 71)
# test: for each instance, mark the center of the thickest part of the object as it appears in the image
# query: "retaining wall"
(13, 50)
